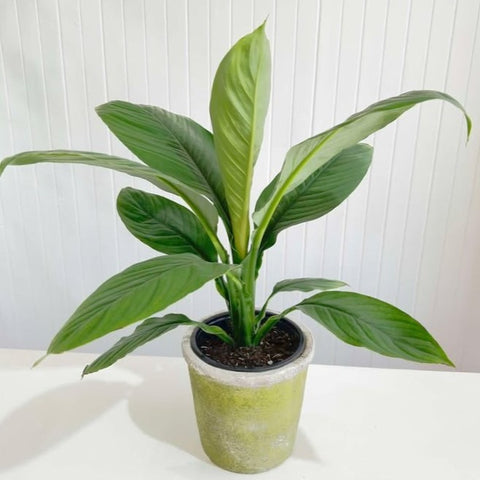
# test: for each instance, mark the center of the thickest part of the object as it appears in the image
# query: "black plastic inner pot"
(198, 338)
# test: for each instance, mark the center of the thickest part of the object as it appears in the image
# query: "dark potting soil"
(276, 346)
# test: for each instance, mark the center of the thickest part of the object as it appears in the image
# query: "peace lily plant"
(212, 173)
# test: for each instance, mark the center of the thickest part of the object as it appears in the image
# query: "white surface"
(410, 233)
(136, 420)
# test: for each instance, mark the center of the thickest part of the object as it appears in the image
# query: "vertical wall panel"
(409, 234)
(429, 123)
(346, 101)
(466, 253)
(306, 44)
(368, 83)
(439, 262)
(283, 68)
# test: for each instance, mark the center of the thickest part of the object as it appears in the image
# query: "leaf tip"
(4, 164)
(40, 360)
(469, 128)
(448, 362)
(103, 108)
(259, 32)
(99, 108)
(443, 358)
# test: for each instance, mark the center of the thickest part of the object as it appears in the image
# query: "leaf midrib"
(397, 343)
(250, 161)
(339, 309)
(187, 152)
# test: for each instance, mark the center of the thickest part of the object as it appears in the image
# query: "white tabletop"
(136, 421)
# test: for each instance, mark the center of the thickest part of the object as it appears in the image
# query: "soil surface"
(276, 346)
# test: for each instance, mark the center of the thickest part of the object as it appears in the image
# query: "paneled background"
(410, 234)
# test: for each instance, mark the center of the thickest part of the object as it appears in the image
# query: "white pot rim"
(250, 379)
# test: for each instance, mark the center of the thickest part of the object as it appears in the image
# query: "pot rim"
(248, 378)
(284, 323)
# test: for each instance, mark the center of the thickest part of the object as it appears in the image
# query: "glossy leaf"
(163, 224)
(148, 330)
(367, 322)
(134, 294)
(306, 285)
(178, 148)
(308, 156)
(238, 106)
(320, 193)
(134, 169)
(94, 159)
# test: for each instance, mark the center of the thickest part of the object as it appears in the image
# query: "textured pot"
(248, 419)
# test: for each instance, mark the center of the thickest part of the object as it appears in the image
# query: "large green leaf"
(145, 332)
(134, 169)
(367, 322)
(163, 225)
(134, 294)
(320, 193)
(86, 158)
(175, 146)
(239, 103)
(148, 330)
(308, 156)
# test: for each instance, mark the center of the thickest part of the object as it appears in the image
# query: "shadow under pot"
(247, 418)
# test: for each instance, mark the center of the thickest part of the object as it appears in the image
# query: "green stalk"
(239, 311)
(252, 258)
(259, 317)
(269, 324)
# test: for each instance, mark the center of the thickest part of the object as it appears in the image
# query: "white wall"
(408, 235)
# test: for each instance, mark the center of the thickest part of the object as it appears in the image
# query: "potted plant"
(247, 364)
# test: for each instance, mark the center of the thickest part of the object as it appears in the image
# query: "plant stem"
(261, 314)
(251, 260)
(269, 324)
(240, 309)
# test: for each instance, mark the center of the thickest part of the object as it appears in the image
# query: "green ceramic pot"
(248, 419)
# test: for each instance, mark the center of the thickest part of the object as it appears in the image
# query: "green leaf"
(134, 169)
(215, 330)
(86, 158)
(203, 209)
(292, 285)
(238, 106)
(163, 225)
(145, 332)
(320, 193)
(306, 285)
(135, 293)
(178, 148)
(367, 322)
(308, 156)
